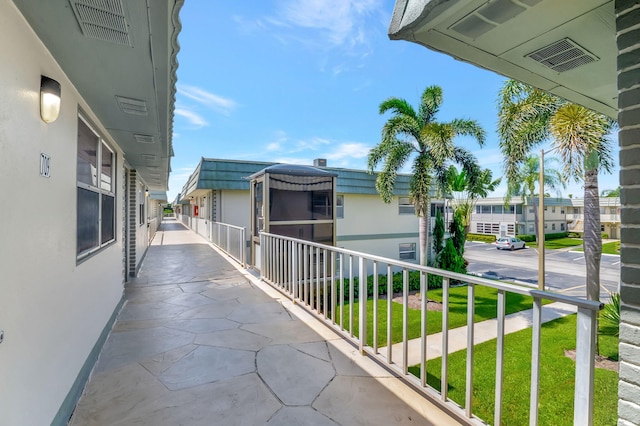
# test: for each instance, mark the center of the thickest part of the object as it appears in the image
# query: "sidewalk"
(482, 332)
(201, 342)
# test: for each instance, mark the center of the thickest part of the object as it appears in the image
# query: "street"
(564, 270)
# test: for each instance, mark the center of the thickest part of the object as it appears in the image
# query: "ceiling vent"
(149, 157)
(132, 106)
(103, 20)
(563, 55)
(489, 16)
(144, 138)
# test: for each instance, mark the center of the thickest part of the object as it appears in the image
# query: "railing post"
(585, 354)
(262, 244)
(243, 247)
(535, 361)
(228, 238)
(470, 350)
(294, 277)
(362, 288)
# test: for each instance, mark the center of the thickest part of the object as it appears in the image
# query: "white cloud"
(274, 146)
(193, 118)
(348, 150)
(216, 102)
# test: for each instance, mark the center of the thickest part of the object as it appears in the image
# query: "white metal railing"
(311, 275)
(231, 239)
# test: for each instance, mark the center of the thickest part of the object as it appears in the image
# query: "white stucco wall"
(368, 215)
(235, 209)
(52, 309)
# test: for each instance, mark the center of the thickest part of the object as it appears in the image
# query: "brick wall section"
(133, 222)
(628, 41)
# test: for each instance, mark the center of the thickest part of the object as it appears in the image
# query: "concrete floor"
(199, 343)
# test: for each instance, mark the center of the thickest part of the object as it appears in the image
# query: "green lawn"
(485, 308)
(612, 247)
(556, 378)
(558, 243)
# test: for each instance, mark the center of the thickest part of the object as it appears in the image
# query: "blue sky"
(294, 80)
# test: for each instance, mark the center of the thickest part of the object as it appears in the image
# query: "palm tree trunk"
(592, 234)
(423, 232)
(535, 219)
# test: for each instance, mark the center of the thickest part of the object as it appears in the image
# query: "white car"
(509, 243)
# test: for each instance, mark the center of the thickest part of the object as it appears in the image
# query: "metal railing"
(231, 239)
(322, 279)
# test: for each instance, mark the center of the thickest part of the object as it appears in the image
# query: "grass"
(558, 243)
(485, 308)
(557, 377)
(612, 247)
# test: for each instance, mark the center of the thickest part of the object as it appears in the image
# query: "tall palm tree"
(528, 117)
(580, 139)
(410, 133)
(464, 195)
(528, 176)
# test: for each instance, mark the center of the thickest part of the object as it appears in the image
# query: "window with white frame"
(405, 206)
(553, 226)
(530, 209)
(96, 206)
(531, 228)
(340, 206)
(407, 251)
(553, 209)
(562, 226)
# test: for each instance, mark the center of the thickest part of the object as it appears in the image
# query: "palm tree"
(579, 137)
(528, 176)
(610, 193)
(528, 117)
(410, 133)
(464, 195)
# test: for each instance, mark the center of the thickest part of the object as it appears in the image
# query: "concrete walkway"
(482, 332)
(199, 343)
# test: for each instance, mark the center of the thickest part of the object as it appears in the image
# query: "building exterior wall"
(627, 21)
(53, 308)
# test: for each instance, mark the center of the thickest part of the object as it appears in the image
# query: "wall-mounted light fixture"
(146, 192)
(49, 99)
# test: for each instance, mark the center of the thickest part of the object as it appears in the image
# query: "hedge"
(434, 281)
(481, 237)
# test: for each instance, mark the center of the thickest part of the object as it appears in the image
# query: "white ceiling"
(500, 34)
(121, 57)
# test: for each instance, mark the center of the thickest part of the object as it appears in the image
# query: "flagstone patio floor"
(199, 341)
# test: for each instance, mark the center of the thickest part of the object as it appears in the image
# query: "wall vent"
(563, 55)
(144, 138)
(102, 19)
(132, 106)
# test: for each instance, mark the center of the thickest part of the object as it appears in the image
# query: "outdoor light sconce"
(49, 99)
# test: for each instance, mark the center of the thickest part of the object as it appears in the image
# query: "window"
(95, 210)
(553, 226)
(531, 228)
(497, 209)
(340, 206)
(576, 210)
(486, 209)
(553, 209)
(546, 225)
(407, 251)
(141, 200)
(530, 209)
(601, 228)
(405, 206)
(561, 210)
(562, 226)
(545, 208)
(518, 209)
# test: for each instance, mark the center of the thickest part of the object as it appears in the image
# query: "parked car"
(509, 243)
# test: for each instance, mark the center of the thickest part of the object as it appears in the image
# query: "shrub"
(527, 238)
(605, 236)
(434, 281)
(610, 316)
(574, 234)
(481, 237)
(555, 235)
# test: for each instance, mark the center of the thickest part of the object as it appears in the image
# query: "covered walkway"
(201, 342)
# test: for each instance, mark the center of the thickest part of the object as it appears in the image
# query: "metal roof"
(219, 174)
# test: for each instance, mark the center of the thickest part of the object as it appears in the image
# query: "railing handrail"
(239, 228)
(556, 297)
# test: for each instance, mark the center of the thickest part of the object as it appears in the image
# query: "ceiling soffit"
(126, 75)
(503, 36)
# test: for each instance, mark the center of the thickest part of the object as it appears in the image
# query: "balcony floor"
(201, 342)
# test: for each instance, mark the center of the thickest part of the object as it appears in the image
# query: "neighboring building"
(584, 51)
(492, 216)
(218, 190)
(81, 218)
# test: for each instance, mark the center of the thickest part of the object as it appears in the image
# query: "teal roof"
(220, 174)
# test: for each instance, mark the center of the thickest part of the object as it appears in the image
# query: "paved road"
(564, 270)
